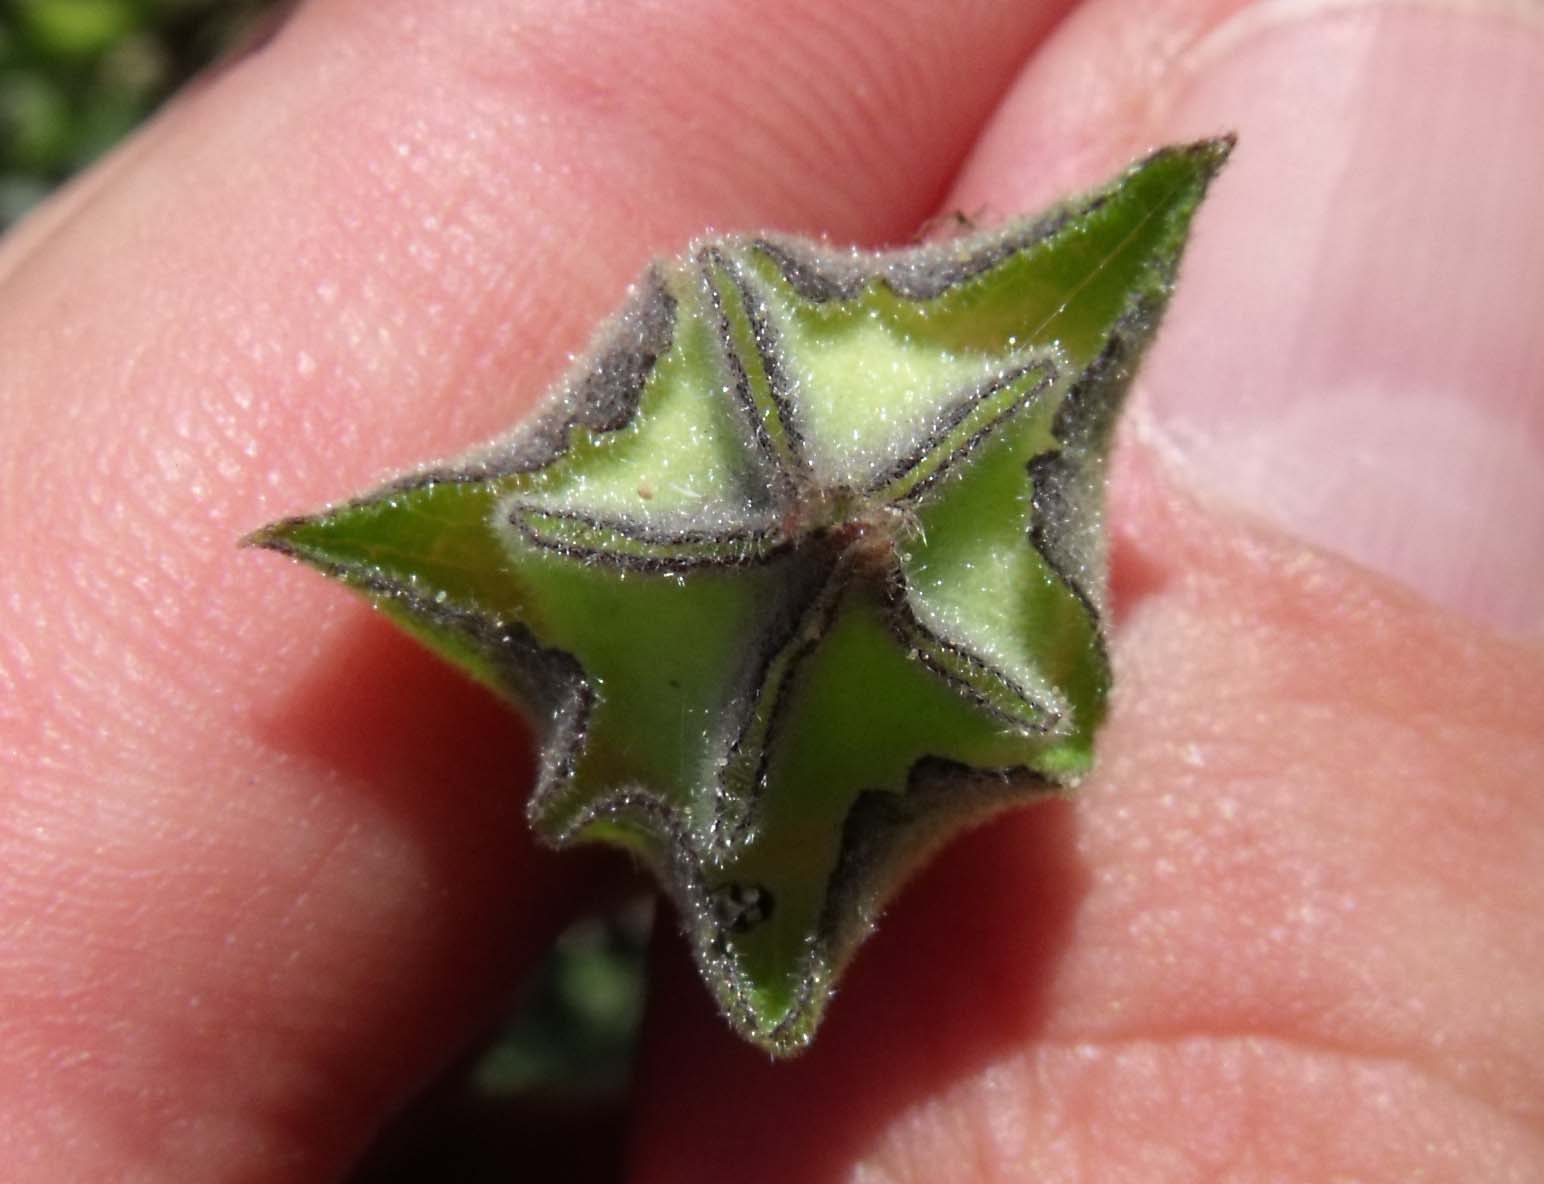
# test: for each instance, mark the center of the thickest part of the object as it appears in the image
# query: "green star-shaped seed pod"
(801, 570)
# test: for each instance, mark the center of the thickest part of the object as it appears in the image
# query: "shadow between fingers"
(446, 768)
(957, 976)
(451, 763)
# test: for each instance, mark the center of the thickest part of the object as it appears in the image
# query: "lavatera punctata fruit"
(801, 569)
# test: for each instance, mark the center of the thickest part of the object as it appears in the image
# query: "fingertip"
(1350, 351)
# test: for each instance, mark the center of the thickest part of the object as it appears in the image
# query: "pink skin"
(252, 899)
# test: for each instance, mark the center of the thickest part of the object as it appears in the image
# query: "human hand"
(265, 867)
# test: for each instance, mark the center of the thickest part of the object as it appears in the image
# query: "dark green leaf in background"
(78, 75)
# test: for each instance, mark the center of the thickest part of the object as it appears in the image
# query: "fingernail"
(1354, 348)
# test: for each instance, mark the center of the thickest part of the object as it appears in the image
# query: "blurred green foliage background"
(75, 77)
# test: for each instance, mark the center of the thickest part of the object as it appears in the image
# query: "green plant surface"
(802, 569)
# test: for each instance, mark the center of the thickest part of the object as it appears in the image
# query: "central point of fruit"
(850, 524)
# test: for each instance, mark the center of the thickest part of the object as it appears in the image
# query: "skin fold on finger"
(265, 864)
(1289, 928)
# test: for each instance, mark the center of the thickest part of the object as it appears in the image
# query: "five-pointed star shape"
(802, 569)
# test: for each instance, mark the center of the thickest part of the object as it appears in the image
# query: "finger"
(1309, 847)
(1353, 351)
(264, 861)
(1260, 926)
